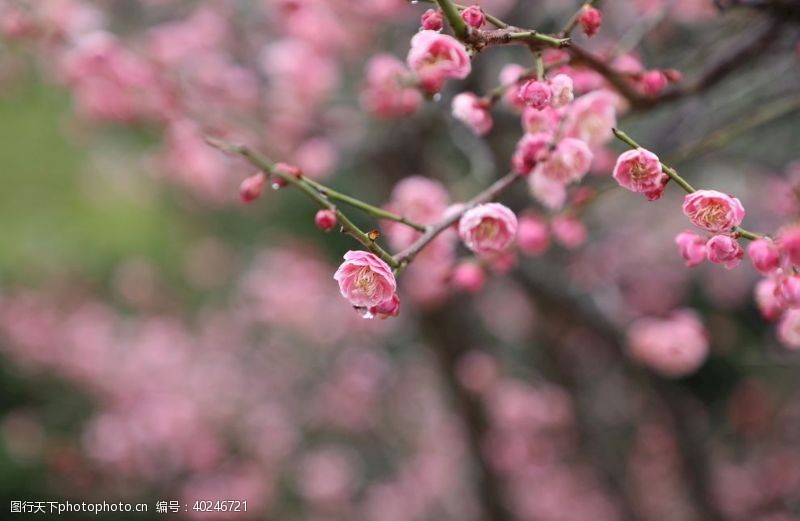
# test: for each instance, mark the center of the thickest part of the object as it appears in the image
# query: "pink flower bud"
(653, 82)
(288, 169)
(562, 91)
(639, 171)
(436, 57)
(474, 16)
(766, 299)
(471, 110)
(590, 19)
(673, 75)
(530, 150)
(325, 220)
(432, 20)
(789, 241)
(469, 277)
(723, 249)
(535, 94)
(787, 290)
(789, 329)
(713, 211)
(488, 228)
(386, 309)
(365, 280)
(533, 236)
(252, 187)
(764, 255)
(692, 248)
(570, 232)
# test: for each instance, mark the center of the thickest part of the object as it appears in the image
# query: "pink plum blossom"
(533, 236)
(653, 82)
(325, 220)
(432, 20)
(724, 249)
(469, 277)
(692, 248)
(674, 347)
(365, 280)
(530, 150)
(474, 16)
(488, 228)
(437, 57)
(789, 329)
(384, 93)
(639, 170)
(789, 241)
(252, 187)
(562, 91)
(535, 121)
(569, 162)
(713, 211)
(765, 255)
(590, 20)
(472, 111)
(766, 299)
(536, 94)
(591, 117)
(569, 231)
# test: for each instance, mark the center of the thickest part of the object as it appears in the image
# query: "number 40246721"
(220, 506)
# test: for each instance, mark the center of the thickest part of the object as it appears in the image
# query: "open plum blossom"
(436, 57)
(530, 151)
(488, 228)
(640, 171)
(562, 95)
(384, 93)
(365, 280)
(569, 162)
(723, 249)
(674, 347)
(472, 111)
(713, 211)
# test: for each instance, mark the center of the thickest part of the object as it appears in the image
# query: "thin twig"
(498, 187)
(302, 184)
(374, 211)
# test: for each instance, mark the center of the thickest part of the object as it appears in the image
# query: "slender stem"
(539, 66)
(450, 11)
(536, 36)
(683, 183)
(573, 21)
(498, 187)
(374, 211)
(302, 184)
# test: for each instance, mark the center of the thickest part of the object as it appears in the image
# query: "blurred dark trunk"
(447, 332)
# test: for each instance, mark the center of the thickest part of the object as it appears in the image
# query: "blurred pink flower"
(488, 228)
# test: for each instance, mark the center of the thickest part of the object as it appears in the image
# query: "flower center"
(713, 214)
(365, 281)
(488, 229)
